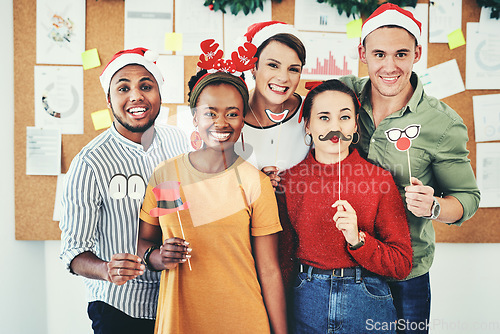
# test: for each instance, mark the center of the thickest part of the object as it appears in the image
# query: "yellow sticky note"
(90, 59)
(456, 39)
(101, 119)
(173, 41)
(354, 28)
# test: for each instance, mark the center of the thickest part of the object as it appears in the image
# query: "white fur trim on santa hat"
(271, 30)
(128, 59)
(391, 17)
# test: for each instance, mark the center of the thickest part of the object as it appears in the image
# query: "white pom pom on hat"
(391, 14)
(257, 33)
(139, 56)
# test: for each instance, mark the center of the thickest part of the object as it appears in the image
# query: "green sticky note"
(90, 59)
(456, 39)
(354, 28)
(173, 41)
(101, 119)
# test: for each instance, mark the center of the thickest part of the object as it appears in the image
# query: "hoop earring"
(310, 142)
(196, 141)
(357, 138)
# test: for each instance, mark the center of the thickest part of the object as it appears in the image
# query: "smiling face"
(134, 99)
(390, 54)
(219, 116)
(277, 73)
(332, 111)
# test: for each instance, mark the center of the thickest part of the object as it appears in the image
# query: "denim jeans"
(108, 320)
(329, 304)
(412, 299)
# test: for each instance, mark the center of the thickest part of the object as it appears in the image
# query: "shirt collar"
(411, 105)
(129, 143)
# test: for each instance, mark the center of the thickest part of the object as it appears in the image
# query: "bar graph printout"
(329, 55)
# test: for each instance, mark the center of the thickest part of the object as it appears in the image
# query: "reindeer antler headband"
(211, 58)
(220, 70)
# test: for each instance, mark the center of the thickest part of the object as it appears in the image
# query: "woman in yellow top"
(224, 275)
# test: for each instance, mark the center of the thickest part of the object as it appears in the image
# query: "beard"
(132, 128)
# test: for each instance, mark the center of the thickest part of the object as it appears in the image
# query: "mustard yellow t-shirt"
(222, 292)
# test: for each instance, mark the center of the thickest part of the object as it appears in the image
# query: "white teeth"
(389, 78)
(220, 135)
(277, 88)
(137, 110)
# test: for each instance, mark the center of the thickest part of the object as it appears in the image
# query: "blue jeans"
(108, 320)
(329, 304)
(412, 299)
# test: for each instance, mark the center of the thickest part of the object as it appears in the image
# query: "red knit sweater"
(307, 193)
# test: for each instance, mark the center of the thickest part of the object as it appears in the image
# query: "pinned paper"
(173, 41)
(90, 59)
(354, 28)
(456, 39)
(101, 119)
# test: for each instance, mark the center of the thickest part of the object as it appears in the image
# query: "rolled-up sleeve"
(453, 171)
(81, 203)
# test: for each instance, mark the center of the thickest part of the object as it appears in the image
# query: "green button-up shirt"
(438, 158)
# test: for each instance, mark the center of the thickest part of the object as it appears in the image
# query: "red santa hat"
(391, 14)
(257, 33)
(139, 56)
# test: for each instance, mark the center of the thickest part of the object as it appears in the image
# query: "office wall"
(38, 297)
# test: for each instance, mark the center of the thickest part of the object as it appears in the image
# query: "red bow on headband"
(211, 58)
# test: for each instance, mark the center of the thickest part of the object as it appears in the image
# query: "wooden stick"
(277, 145)
(339, 168)
(409, 166)
(183, 237)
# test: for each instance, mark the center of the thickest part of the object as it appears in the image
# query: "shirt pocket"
(397, 162)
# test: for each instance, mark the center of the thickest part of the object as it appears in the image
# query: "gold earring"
(357, 137)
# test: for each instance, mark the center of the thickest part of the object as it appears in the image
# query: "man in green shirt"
(441, 185)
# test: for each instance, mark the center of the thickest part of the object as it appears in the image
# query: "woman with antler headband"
(273, 138)
(344, 225)
(210, 219)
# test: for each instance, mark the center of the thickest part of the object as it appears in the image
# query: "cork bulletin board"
(34, 195)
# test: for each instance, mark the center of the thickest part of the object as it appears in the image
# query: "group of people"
(295, 214)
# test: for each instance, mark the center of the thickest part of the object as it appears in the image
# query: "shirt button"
(373, 140)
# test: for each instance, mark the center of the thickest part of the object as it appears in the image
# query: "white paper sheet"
(152, 16)
(315, 16)
(483, 58)
(162, 119)
(445, 16)
(442, 80)
(57, 203)
(185, 121)
(487, 24)
(43, 151)
(486, 117)
(235, 26)
(172, 68)
(328, 55)
(59, 98)
(60, 31)
(488, 173)
(196, 23)
(420, 12)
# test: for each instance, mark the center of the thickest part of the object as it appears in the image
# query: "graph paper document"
(329, 55)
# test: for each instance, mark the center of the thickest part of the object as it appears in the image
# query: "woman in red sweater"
(344, 225)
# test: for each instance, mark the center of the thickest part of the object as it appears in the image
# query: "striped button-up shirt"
(103, 193)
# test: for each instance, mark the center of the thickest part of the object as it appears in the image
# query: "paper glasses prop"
(168, 199)
(402, 139)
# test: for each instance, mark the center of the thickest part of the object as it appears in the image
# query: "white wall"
(37, 296)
